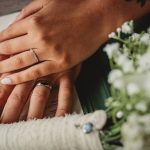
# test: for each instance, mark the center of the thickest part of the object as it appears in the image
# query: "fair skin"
(14, 98)
(64, 33)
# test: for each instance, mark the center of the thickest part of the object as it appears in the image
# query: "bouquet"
(128, 109)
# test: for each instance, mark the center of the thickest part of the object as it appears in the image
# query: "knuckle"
(24, 11)
(9, 30)
(5, 32)
(18, 61)
(5, 47)
(18, 78)
(39, 95)
(17, 98)
(41, 38)
(35, 74)
(35, 21)
(65, 62)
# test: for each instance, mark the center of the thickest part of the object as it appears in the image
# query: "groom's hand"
(62, 34)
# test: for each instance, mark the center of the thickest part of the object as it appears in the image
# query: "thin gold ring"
(35, 56)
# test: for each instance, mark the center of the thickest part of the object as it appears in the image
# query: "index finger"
(13, 31)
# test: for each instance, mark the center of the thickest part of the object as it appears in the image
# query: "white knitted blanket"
(53, 134)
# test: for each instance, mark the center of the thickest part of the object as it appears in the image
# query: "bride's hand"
(14, 98)
(61, 33)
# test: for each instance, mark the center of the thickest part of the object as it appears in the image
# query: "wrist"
(126, 10)
(116, 12)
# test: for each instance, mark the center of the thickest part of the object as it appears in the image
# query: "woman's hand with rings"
(62, 34)
(35, 95)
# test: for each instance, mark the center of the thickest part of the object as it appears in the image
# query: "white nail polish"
(6, 81)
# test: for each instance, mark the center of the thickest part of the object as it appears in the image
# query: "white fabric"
(52, 134)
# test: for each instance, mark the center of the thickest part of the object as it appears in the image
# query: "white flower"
(136, 132)
(138, 56)
(110, 49)
(118, 30)
(121, 59)
(115, 79)
(146, 121)
(126, 50)
(145, 39)
(112, 35)
(127, 27)
(118, 84)
(132, 119)
(114, 74)
(116, 104)
(132, 137)
(141, 107)
(132, 89)
(144, 62)
(135, 36)
(109, 101)
(119, 114)
(128, 66)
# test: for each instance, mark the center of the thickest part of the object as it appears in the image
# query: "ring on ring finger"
(44, 83)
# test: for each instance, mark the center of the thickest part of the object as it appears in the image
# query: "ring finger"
(18, 61)
(38, 101)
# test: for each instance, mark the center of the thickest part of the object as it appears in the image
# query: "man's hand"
(63, 33)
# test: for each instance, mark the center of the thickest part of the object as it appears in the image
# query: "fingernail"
(6, 81)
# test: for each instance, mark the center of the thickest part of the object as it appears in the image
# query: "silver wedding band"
(45, 84)
(35, 56)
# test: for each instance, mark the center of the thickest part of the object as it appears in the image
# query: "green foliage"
(129, 57)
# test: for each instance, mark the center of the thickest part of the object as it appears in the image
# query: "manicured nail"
(6, 81)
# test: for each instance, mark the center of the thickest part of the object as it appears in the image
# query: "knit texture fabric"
(58, 133)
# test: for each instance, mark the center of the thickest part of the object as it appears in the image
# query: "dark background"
(10, 6)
